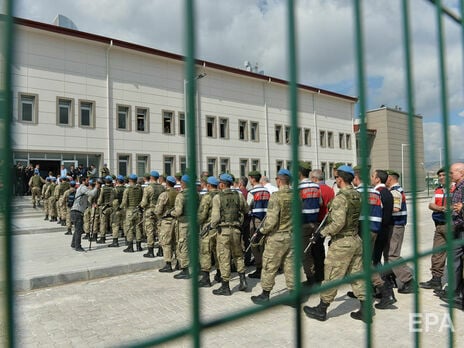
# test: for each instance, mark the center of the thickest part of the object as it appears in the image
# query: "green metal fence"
(197, 325)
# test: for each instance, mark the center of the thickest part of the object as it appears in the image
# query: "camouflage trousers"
(36, 193)
(344, 257)
(52, 207)
(68, 218)
(207, 248)
(46, 206)
(167, 238)
(132, 225)
(278, 252)
(116, 221)
(149, 226)
(62, 208)
(307, 231)
(91, 220)
(105, 220)
(182, 244)
(229, 245)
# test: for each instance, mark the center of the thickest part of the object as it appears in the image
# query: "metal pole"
(402, 163)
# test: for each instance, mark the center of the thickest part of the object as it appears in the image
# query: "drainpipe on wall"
(110, 148)
(266, 127)
(316, 135)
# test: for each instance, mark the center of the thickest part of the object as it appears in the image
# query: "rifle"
(256, 234)
(316, 235)
(92, 229)
(205, 230)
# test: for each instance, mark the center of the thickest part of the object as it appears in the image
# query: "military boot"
(101, 240)
(130, 247)
(63, 222)
(115, 243)
(387, 299)
(243, 283)
(361, 314)
(149, 253)
(94, 237)
(262, 298)
(160, 252)
(319, 312)
(68, 232)
(46, 217)
(256, 274)
(217, 276)
(86, 236)
(184, 274)
(166, 269)
(139, 246)
(204, 282)
(434, 283)
(223, 290)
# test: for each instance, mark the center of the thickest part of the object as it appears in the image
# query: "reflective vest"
(260, 201)
(440, 200)
(310, 194)
(400, 217)
(375, 208)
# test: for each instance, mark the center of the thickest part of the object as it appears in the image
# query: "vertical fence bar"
(6, 110)
(445, 124)
(192, 201)
(412, 151)
(296, 203)
(367, 252)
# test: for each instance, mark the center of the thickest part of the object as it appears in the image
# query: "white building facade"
(85, 99)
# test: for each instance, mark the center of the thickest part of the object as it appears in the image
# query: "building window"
(341, 140)
(223, 128)
(64, 114)
(254, 131)
(289, 165)
(183, 164)
(255, 165)
(28, 110)
(287, 135)
(86, 113)
(243, 130)
(322, 139)
(307, 137)
(123, 165)
(330, 139)
(331, 169)
(348, 141)
(211, 127)
(212, 165)
(300, 140)
(168, 165)
(279, 165)
(278, 134)
(142, 165)
(224, 164)
(324, 169)
(168, 125)
(244, 167)
(142, 119)
(181, 123)
(123, 117)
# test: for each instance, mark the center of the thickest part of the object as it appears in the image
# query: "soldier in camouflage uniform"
(67, 208)
(208, 236)
(52, 200)
(228, 211)
(278, 231)
(91, 216)
(166, 226)
(117, 212)
(180, 213)
(45, 196)
(130, 201)
(148, 203)
(59, 192)
(344, 256)
(105, 202)
(35, 183)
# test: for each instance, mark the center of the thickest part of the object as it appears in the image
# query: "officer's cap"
(171, 179)
(284, 172)
(155, 174)
(120, 178)
(254, 173)
(226, 178)
(346, 169)
(132, 177)
(72, 183)
(212, 180)
(393, 172)
(185, 178)
(108, 178)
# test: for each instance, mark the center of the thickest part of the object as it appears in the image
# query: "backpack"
(71, 198)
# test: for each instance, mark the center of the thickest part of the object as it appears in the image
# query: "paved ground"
(95, 309)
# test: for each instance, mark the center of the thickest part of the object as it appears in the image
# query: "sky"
(232, 32)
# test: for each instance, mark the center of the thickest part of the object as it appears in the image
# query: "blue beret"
(53, 179)
(284, 172)
(212, 180)
(171, 179)
(108, 178)
(120, 178)
(92, 182)
(48, 178)
(155, 174)
(346, 169)
(72, 183)
(132, 177)
(36, 171)
(185, 178)
(226, 177)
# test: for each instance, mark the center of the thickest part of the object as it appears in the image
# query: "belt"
(439, 223)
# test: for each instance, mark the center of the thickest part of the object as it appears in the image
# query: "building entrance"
(47, 166)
